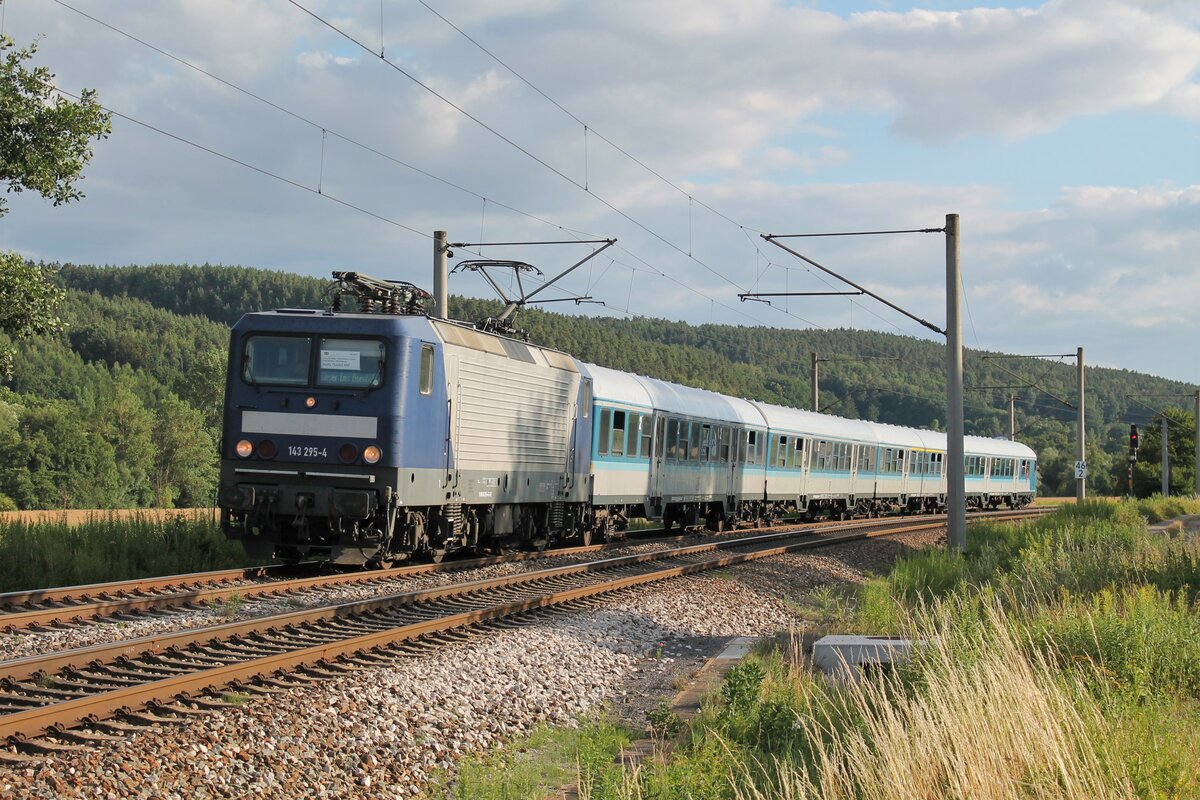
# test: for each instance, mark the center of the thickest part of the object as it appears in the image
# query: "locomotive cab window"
(353, 363)
(276, 360)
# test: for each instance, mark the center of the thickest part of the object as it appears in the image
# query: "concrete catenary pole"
(1012, 417)
(1080, 443)
(441, 276)
(1166, 459)
(956, 490)
(816, 385)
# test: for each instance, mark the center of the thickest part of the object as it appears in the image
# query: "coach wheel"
(585, 535)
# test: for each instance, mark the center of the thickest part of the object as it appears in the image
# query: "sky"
(271, 133)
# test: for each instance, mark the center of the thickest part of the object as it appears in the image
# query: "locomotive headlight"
(348, 453)
(244, 448)
(372, 454)
(310, 402)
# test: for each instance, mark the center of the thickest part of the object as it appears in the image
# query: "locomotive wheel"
(437, 556)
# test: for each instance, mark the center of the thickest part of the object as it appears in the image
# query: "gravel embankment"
(381, 733)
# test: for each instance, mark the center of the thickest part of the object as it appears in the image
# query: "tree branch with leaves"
(45, 142)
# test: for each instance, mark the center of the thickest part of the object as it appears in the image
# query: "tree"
(1181, 449)
(44, 137)
(184, 467)
(28, 302)
(44, 145)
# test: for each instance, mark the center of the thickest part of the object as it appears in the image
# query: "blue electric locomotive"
(363, 437)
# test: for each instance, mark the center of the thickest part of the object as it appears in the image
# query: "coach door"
(657, 451)
(731, 438)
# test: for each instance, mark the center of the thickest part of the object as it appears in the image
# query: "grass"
(44, 554)
(547, 759)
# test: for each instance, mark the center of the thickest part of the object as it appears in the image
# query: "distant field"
(1061, 501)
(76, 517)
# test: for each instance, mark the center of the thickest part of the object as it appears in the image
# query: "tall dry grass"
(980, 714)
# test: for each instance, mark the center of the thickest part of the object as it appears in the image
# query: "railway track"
(73, 605)
(147, 680)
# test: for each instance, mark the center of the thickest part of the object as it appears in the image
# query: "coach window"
(705, 433)
(618, 433)
(276, 360)
(605, 430)
(426, 376)
(748, 448)
(647, 436)
(695, 451)
(633, 426)
(725, 439)
(683, 439)
(672, 438)
(660, 430)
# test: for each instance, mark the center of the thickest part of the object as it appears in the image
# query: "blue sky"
(1066, 134)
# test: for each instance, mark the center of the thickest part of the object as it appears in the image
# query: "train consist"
(373, 435)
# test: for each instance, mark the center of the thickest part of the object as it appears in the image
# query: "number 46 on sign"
(1080, 469)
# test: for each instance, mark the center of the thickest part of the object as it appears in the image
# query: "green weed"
(549, 758)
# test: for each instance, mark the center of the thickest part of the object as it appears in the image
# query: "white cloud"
(320, 60)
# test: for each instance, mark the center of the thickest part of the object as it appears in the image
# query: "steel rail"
(76, 604)
(56, 717)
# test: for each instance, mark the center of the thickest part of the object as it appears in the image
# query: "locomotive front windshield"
(289, 361)
(349, 363)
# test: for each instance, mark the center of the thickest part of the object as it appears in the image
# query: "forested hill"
(123, 408)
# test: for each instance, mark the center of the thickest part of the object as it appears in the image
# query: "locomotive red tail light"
(267, 449)
(348, 453)
(244, 448)
(372, 454)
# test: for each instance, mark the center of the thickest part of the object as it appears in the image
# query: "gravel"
(384, 732)
(21, 644)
